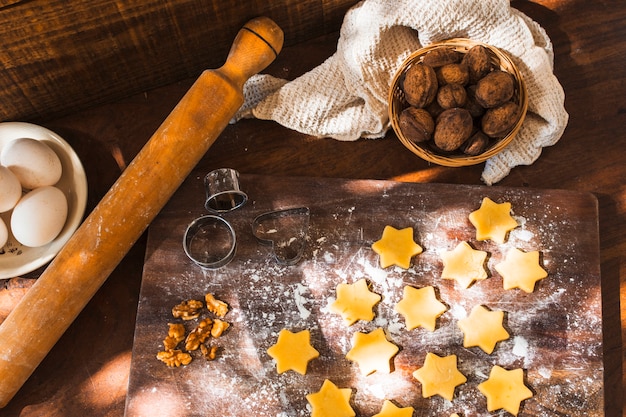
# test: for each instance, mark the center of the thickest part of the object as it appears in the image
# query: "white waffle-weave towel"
(345, 97)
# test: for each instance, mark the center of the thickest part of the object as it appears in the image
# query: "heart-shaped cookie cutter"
(285, 230)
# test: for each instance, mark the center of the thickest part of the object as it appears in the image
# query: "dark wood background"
(58, 57)
(87, 371)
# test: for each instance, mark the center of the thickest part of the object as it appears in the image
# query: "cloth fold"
(345, 97)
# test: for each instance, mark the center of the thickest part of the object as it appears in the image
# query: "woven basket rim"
(456, 160)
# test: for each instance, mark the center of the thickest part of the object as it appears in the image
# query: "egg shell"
(4, 233)
(33, 162)
(10, 189)
(39, 216)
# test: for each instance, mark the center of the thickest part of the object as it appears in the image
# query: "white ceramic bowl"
(16, 259)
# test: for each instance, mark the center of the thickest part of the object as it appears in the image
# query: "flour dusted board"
(556, 332)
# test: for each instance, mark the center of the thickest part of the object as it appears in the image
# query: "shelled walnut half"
(199, 335)
(174, 357)
(187, 310)
(175, 335)
(215, 306)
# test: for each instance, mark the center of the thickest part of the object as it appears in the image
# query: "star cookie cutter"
(210, 242)
(223, 193)
(286, 231)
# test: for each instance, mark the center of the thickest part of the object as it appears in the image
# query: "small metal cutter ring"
(210, 242)
(223, 193)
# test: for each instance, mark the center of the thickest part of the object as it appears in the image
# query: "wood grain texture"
(60, 57)
(555, 331)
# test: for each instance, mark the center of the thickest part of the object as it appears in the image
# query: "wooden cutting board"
(556, 331)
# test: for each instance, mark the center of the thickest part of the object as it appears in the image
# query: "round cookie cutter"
(210, 242)
(223, 193)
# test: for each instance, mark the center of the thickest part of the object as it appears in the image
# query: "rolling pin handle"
(256, 46)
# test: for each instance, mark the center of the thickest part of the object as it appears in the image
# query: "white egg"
(33, 162)
(10, 189)
(4, 233)
(39, 216)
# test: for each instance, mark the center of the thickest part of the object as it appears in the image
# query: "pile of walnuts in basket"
(459, 101)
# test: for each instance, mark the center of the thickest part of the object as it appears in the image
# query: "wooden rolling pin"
(105, 237)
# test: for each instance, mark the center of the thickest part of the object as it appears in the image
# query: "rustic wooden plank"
(60, 57)
(556, 331)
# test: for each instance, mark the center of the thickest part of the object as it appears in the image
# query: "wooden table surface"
(87, 371)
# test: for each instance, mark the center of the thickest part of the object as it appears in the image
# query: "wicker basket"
(426, 150)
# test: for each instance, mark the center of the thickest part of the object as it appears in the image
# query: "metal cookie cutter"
(286, 231)
(210, 242)
(223, 193)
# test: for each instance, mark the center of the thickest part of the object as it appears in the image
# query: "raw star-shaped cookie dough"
(420, 307)
(355, 302)
(521, 270)
(492, 220)
(505, 389)
(331, 401)
(483, 328)
(439, 376)
(464, 264)
(396, 247)
(293, 351)
(391, 410)
(372, 351)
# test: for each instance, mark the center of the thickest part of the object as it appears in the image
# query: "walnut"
(175, 335)
(453, 74)
(451, 95)
(474, 101)
(434, 109)
(441, 56)
(498, 121)
(471, 105)
(495, 89)
(219, 327)
(420, 85)
(215, 306)
(187, 310)
(174, 357)
(478, 62)
(453, 127)
(209, 353)
(417, 125)
(207, 327)
(476, 144)
(199, 335)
